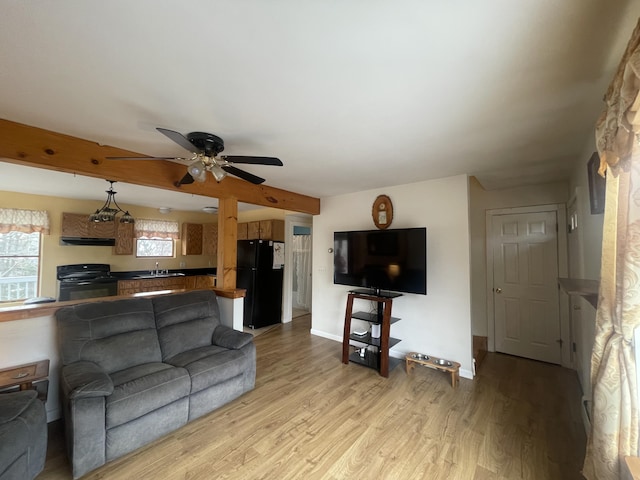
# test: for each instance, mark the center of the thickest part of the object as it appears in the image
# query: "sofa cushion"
(211, 365)
(100, 332)
(144, 388)
(185, 321)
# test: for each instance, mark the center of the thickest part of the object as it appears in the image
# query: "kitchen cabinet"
(191, 239)
(210, 239)
(272, 230)
(78, 225)
(129, 287)
(262, 230)
(124, 239)
(196, 282)
(243, 233)
(253, 230)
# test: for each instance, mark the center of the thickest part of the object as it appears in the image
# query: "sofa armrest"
(13, 404)
(85, 380)
(227, 337)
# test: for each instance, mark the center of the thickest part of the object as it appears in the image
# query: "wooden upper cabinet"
(191, 239)
(124, 239)
(243, 233)
(209, 239)
(74, 225)
(262, 229)
(272, 230)
(253, 230)
(78, 225)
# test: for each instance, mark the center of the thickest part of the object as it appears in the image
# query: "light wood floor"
(312, 417)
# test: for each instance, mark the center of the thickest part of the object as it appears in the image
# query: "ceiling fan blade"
(144, 158)
(252, 160)
(186, 180)
(179, 139)
(249, 177)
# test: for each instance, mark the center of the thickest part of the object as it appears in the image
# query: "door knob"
(498, 290)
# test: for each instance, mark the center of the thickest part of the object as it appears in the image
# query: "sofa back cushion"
(115, 334)
(185, 321)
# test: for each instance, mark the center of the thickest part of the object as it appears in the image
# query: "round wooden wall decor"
(382, 212)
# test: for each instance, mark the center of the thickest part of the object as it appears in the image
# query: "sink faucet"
(157, 271)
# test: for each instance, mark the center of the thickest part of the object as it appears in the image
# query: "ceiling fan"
(205, 149)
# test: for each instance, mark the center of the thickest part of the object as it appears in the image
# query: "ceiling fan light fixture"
(196, 169)
(217, 172)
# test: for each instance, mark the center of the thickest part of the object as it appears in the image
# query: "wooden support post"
(227, 243)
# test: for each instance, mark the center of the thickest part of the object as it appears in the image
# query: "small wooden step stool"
(414, 358)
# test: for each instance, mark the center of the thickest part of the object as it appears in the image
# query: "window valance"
(619, 124)
(150, 228)
(25, 221)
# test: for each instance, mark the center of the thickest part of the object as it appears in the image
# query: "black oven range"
(86, 280)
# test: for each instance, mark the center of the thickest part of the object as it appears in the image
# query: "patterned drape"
(150, 228)
(25, 221)
(614, 426)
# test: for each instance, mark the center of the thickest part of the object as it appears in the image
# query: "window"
(20, 232)
(19, 265)
(154, 247)
(156, 238)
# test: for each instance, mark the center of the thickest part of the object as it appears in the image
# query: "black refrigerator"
(260, 272)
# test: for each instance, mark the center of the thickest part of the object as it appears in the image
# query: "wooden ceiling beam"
(36, 147)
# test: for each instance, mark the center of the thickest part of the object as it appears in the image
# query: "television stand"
(375, 292)
(377, 360)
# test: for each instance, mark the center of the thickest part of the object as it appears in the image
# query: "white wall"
(438, 323)
(482, 200)
(590, 238)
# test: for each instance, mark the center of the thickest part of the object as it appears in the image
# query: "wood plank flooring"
(312, 417)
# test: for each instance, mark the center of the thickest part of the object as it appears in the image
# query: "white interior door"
(525, 289)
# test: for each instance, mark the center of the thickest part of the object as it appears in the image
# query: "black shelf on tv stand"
(375, 292)
(379, 361)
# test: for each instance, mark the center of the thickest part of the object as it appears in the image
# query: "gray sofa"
(23, 435)
(136, 369)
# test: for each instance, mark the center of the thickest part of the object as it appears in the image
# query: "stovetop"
(83, 272)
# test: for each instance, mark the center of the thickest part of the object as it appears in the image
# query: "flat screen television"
(394, 260)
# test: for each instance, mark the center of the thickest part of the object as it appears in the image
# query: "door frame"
(290, 221)
(563, 268)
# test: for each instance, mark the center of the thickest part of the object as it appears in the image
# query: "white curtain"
(614, 428)
(302, 263)
(151, 228)
(25, 221)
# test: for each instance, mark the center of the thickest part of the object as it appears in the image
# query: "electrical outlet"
(183, 264)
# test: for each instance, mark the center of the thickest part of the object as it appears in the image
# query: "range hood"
(96, 242)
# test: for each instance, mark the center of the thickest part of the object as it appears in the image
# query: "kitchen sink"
(159, 275)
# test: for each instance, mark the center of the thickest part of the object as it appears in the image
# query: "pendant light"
(108, 213)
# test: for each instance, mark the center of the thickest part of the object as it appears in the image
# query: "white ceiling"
(350, 95)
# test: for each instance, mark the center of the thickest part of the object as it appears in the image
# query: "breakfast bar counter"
(20, 312)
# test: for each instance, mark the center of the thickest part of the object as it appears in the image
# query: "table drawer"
(24, 373)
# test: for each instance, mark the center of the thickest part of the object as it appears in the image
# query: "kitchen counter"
(21, 312)
(187, 272)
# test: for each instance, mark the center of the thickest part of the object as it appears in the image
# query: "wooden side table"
(413, 358)
(24, 376)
